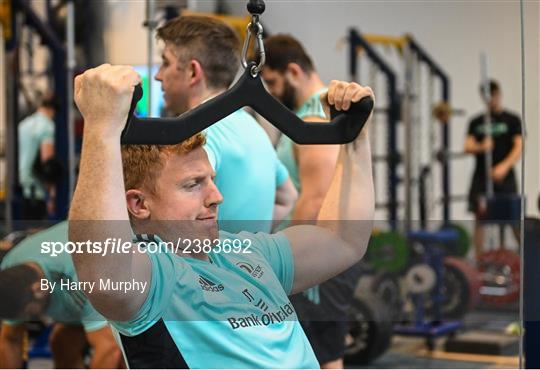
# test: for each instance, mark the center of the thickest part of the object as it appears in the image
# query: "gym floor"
(411, 352)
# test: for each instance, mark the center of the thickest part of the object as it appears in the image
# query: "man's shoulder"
(31, 248)
(258, 240)
(239, 123)
(477, 119)
(512, 116)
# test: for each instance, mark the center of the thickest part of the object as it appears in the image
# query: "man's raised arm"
(98, 210)
(345, 220)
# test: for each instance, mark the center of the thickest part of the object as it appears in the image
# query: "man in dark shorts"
(505, 145)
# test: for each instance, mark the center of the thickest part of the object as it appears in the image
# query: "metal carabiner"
(260, 46)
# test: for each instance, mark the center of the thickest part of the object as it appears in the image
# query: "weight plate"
(500, 271)
(370, 330)
(420, 279)
(386, 287)
(388, 251)
(461, 288)
(461, 249)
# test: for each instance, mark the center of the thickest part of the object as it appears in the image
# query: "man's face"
(496, 101)
(280, 87)
(185, 190)
(174, 78)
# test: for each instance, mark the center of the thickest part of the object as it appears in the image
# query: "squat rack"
(63, 63)
(356, 40)
(397, 110)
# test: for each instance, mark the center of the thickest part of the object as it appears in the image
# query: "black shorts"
(478, 189)
(327, 338)
(326, 323)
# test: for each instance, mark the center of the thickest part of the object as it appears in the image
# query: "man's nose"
(214, 197)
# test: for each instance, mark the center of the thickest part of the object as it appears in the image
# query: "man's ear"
(137, 204)
(293, 73)
(196, 72)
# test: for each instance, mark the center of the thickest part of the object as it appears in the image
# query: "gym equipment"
(392, 113)
(416, 64)
(24, 15)
(388, 251)
(463, 244)
(486, 343)
(370, 330)
(420, 278)
(433, 244)
(151, 24)
(486, 96)
(460, 289)
(443, 111)
(500, 271)
(39, 348)
(385, 286)
(3, 123)
(248, 91)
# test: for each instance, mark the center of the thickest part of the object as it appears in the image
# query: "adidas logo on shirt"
(209, 286)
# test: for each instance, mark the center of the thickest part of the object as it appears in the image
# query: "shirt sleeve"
(472, 127)
(516, 126)
(282, 174)
(159, 294)
(91, 319)
(47, 133)
(276, 250)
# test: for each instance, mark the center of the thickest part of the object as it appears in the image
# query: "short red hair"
(143, 164)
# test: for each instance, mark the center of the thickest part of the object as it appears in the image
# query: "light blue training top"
(248, 172)
(65, 306)
(33, 131)
(229, 312)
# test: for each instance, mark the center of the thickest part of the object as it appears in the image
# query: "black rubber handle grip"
(344, 127)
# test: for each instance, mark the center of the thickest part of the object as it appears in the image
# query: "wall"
(454, 32)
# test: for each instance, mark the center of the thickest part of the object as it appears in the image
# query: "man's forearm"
(98, 210)
(307, 208)
(473, 147)
(351, 196)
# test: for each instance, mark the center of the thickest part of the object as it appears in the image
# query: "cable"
(522, 216)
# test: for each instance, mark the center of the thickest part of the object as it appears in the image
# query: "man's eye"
(192, 185)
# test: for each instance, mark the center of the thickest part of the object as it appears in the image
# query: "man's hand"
(486, 145)
(342, 94)
(499, 172)
(103, 95)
